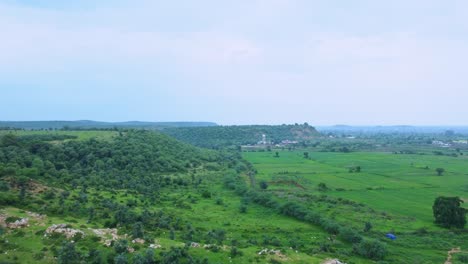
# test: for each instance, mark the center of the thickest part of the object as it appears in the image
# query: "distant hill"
(222, 136)
(88, 124)
(400, 129)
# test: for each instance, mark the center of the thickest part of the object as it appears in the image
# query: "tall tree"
(448, 212)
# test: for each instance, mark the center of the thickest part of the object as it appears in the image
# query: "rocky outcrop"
(19, 223)
(63, 229)
(138, 241)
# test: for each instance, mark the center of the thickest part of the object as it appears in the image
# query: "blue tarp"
(391, 236)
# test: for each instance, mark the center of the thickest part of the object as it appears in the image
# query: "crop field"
(393, 191)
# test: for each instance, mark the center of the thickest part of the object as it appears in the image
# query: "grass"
(394, 192)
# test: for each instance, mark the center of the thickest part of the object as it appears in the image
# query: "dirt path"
(449, 254)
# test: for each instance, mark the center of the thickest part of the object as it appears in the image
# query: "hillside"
(139, 196)
(136, 197)
(88, 124)
(222, 136)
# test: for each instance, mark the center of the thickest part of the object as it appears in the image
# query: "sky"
(360, 62)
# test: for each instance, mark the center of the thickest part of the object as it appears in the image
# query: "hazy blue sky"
(235, 61)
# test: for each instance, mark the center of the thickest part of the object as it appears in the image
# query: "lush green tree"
(9, 140)
(172, 234)
(120, 246)
(440, 171)
(448, 212)
(235, 252)
(243, 208)
(306, 155)
(350, 235)
(67, 254)
(372, 249)
(263, 185)
(95, 257)
(367, 226)
(121, 259)
(322, 187)
(137, 230)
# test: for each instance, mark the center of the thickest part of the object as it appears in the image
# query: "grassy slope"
(397, 187)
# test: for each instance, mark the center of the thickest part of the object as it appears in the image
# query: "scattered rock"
(36, 216)
(138, 241)
(130, 250)
(23, 222)
(277, 253)
(108, 242)
(195, 245)
(332, 261)
(155, 246)
(107, 234)
(63, 229)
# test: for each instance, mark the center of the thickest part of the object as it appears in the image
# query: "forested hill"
(222, 136)
(88, 124)
(127, 160)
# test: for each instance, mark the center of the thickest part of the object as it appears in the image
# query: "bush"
(206, 194)
(367, 226)
(330, 226)
(372, 249)
(322, 187)
(263, 185)
(12, 219)
(463, 258)
(350, 235)
(235, 252)
(243, 209)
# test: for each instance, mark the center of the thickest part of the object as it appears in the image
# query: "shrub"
(206, 194)
(12, 219)
(367, 226)
(263, 185)
(330, 226)
(372, 249)
(463, 258)
(322, 187)
(236, 252)
(350, 235)
(243, 208)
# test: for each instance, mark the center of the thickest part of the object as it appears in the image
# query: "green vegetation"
(137, 196)
(392, 193)
(225, 136)
(448, 212)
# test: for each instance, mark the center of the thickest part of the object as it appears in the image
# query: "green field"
(395, 192)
